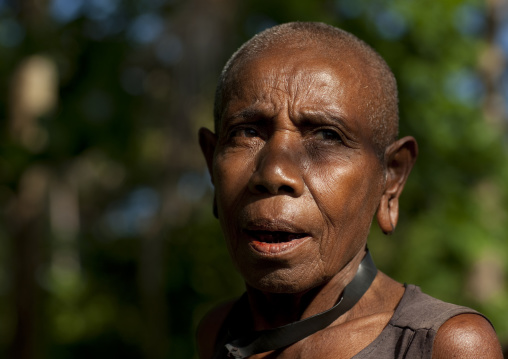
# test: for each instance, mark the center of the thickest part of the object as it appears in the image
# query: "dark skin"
(294, 162)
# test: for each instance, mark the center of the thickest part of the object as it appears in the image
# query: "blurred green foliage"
(108, 246)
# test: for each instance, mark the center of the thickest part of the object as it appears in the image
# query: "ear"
(208, 142)
(400, 157)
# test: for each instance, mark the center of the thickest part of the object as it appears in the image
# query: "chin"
(283, 281)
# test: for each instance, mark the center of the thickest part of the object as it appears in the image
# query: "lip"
(274, 225)
(277, 248)
(274, 237)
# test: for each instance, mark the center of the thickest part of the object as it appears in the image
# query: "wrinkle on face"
(280, 97)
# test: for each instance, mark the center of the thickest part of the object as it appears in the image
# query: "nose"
(279, 168)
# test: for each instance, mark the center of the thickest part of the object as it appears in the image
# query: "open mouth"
(275, 236)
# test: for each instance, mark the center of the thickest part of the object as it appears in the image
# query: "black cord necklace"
(272, 339)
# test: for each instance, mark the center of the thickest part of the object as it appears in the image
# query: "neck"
(271, 310)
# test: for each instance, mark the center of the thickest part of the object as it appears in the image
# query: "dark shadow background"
(108, 247)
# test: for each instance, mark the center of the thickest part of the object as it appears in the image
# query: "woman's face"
(295, 170)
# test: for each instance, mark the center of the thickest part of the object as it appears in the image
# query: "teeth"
(264, 237)
(277, 237)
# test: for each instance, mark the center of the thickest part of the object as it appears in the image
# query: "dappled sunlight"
(108, 244)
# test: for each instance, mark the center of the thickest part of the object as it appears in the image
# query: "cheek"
(338, 191)
(231, 176)
(347, 198)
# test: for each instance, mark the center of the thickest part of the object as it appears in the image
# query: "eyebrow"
(249, 113)
(330, 115)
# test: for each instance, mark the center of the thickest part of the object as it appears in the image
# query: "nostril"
(261, 189)
(286, 189)
(275, 190)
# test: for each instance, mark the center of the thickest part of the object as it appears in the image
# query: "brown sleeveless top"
(413, 327)
(409, 334)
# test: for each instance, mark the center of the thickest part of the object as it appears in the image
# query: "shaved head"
(380, 104)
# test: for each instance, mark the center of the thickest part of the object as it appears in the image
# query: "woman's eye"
(329, 135)
(245, 132)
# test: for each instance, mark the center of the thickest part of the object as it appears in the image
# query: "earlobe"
(400, 157)
(208, 142)
(386, 216)
(215, 209)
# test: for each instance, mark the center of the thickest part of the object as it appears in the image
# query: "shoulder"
(459, 332)
(418, 310)
(466, 336)
(209, 327)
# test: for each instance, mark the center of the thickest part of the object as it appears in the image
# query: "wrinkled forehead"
(302, 75)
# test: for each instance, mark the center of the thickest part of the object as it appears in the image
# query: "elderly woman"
(305, 153)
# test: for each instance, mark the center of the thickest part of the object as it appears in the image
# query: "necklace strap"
(276, 338)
